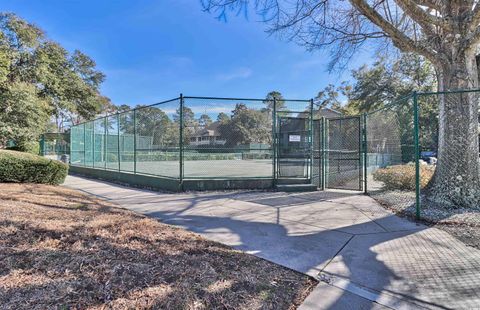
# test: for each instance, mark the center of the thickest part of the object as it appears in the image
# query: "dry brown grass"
(61, 249)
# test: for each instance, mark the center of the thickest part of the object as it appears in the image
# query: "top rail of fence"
(244, 99)
(428, 93)
(189, 97)
(127, 111)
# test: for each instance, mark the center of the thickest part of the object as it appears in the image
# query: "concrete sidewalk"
(364, 256)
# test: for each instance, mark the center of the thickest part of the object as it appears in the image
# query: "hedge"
(22, 167)
(402, 177)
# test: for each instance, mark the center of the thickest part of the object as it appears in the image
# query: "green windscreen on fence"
(391, 152)
(157, 143)
(223, 138)
(144, 140)
(112, 143)
(55, 144)
(127, 141)
(77, 145)
(88, 144)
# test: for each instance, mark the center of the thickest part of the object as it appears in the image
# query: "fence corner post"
(70, 146)
(311, 140)
(365, 155)
(135, 141)
(118, 141)
(84, 144)
(417, 155)
(324, 152)
(105, 141)
(274, 142)
(181, 143)
(42, 145)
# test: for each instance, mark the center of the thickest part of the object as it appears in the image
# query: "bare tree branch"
(432, 4)
(422, 17)
(399, 39)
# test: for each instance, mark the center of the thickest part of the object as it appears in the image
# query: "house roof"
(209, 131)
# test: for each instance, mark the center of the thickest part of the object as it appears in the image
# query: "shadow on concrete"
(302, 245)
(287, 244)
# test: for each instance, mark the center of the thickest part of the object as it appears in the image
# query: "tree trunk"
(456, 181)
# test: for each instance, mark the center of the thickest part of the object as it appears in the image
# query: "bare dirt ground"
(62, 249)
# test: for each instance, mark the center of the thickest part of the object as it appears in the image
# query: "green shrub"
(402, 177)
(32, 147)
(28, 168)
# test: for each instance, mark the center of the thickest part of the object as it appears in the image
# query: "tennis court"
(251, 139)
(199, 168)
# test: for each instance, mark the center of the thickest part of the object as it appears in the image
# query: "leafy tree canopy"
(381, 83)
(48, 82)
(280, 101)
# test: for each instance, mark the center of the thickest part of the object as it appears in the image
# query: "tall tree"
(152, 122)
(246, 126)
(190, 124)
(223, 117)
(204, 120)
(331, 96)
(387, 80)
(63, 86)
(446, 33)
(279, 100)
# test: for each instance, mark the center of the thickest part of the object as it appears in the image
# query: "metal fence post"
(134, 141)
(118, 139)
(93, 143)
(274, 142)
(181, 142)
(365, 155)
(324, 153)
(70, 146)
(42, 145)
(105, 143)
(311, 140)
(84, 145)
(417, 154)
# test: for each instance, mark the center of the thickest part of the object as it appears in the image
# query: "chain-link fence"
(190, 138)
(144, 140)
(227, 138)
(343, 153)
(420, 149)
(449, 131)
(293, 131)
(55, 145)
(423, 153)
(390, 154)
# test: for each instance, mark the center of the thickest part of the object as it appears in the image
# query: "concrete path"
(364, 256)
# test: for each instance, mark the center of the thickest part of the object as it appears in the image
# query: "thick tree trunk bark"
(456, 181)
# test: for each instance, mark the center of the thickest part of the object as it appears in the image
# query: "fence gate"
(343, 156)
(294, 147)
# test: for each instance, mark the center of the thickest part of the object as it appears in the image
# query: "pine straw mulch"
(62, 249)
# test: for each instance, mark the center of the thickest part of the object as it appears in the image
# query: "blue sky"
(153, 50)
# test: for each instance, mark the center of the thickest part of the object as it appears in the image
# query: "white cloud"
(239, 73)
